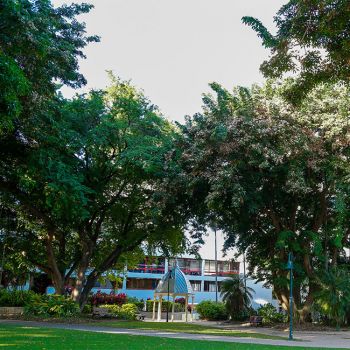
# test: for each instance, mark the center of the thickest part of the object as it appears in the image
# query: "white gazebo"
(173, 284)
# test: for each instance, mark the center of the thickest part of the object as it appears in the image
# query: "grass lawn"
(191, 328)
(35, 338)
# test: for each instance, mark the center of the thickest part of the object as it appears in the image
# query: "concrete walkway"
(335, 340)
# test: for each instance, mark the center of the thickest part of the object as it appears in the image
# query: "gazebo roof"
(178, 283)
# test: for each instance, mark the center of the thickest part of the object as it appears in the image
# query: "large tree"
(39, 50)
(99, 183)
(312, 40)
(275, 178)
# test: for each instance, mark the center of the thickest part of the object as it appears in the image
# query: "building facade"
(142, 280)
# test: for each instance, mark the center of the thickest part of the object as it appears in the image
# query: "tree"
(236, 296)
(275, 176)
(39, 49)
(99, 184)
(312, 40)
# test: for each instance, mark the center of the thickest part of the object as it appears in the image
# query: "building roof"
(176, 281)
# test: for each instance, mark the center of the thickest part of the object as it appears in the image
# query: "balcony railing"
(192, 272)
(221, 273)
(143, 268)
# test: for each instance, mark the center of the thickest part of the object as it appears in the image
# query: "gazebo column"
(160, 309)
(186, 308)
(154, 309)
(173, 309)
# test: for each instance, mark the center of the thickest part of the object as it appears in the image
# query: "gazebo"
(173, 284)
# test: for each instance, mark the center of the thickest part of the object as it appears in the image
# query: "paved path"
(310, 339)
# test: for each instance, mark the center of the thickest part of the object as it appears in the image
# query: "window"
(188, 266)
(210, 286)
(141, 283)
(224, 267)
(196, 286)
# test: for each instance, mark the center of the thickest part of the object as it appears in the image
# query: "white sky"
(172, 49)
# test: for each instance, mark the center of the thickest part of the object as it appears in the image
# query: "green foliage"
(276, 181)
(312, 41)
(87, 309)
(333, 297)
(139, 303)
(111, 190)
(51, 306)
(237, 297)
(39, 47)
(15, 297)
(270, 314)
(212, 311)
(125, 312)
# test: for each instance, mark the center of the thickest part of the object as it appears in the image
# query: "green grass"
(190, 328)
(37, 338)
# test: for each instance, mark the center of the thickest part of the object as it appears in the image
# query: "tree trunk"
(89, 284)
(56, 276)
(87, 251)
(96, 273)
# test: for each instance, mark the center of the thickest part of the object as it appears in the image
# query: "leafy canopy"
(312, 41)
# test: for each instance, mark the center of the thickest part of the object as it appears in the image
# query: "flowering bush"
(108, 299)
(181, 301)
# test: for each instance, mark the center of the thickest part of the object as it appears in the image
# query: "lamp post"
(290, 268)
(167, 308)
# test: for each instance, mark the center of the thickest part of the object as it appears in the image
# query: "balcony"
(144, 268)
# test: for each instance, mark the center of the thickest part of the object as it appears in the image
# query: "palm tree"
(236, 296)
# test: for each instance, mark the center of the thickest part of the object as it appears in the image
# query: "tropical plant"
(236, 296)
(15, 297)
(271, 315)
(51, 306)
(333, 296)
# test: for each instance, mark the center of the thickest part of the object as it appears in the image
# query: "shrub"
(139, 303)
(15, 297)
(104, 298)
(124, 312)
(210, 310)
(87, 309)
(270, 314)
(51, 306)
(128, 312)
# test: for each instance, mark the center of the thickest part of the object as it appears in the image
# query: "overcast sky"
(172, 49)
